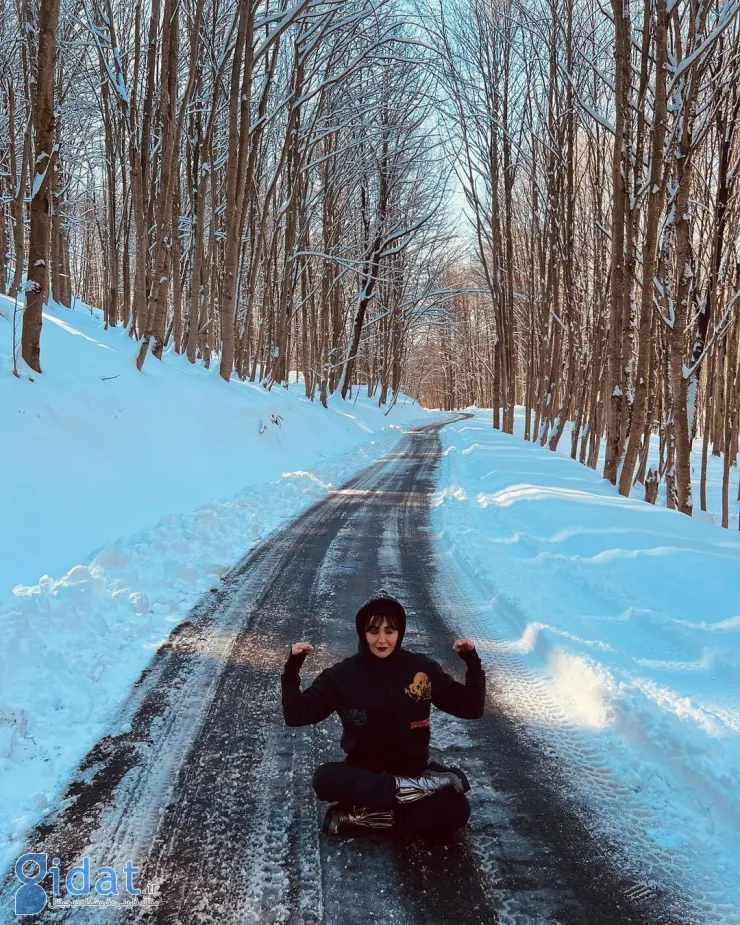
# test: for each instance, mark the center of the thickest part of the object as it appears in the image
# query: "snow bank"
(95, 451)
(713, 514)
(614, 627)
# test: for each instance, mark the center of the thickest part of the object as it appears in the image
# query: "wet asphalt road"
(209, 794)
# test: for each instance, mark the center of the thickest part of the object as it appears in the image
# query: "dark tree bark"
(38, 251)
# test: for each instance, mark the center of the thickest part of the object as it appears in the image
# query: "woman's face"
(382, 640)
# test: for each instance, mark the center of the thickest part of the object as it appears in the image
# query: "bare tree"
(37, 287)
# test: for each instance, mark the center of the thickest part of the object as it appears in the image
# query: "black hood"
(381, 603)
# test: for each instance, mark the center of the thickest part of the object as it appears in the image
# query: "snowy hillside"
(124, 497)
(612, 628)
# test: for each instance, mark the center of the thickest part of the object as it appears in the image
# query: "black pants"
(349, 785)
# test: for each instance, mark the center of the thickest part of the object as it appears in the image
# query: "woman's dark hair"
(374, 621)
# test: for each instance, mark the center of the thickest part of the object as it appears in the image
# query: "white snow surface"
(125, 496)
(613, 627)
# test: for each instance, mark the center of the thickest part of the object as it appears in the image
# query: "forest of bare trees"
(599, 152)
(504, 203)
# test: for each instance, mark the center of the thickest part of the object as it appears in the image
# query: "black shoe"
(435, 766)
(358, 819)
(429, 782)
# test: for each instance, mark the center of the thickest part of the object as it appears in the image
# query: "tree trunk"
(43, 118)
(615, 378)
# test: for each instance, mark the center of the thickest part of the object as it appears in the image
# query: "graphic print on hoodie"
(384, 703)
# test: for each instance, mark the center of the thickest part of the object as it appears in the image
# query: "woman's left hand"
(464, 645)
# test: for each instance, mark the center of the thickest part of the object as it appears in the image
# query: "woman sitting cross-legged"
(383, 696)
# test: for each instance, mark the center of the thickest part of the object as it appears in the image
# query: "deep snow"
(123, 500)
(614, 628)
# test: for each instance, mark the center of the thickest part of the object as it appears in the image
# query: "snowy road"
(206, 791)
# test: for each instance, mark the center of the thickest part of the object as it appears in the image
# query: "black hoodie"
(384, 703)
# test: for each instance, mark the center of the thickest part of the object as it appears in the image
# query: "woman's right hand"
(301, 648)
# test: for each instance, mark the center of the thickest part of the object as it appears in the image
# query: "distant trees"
(599, 151)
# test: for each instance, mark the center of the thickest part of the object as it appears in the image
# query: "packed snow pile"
(126, 495)
(614, 628)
